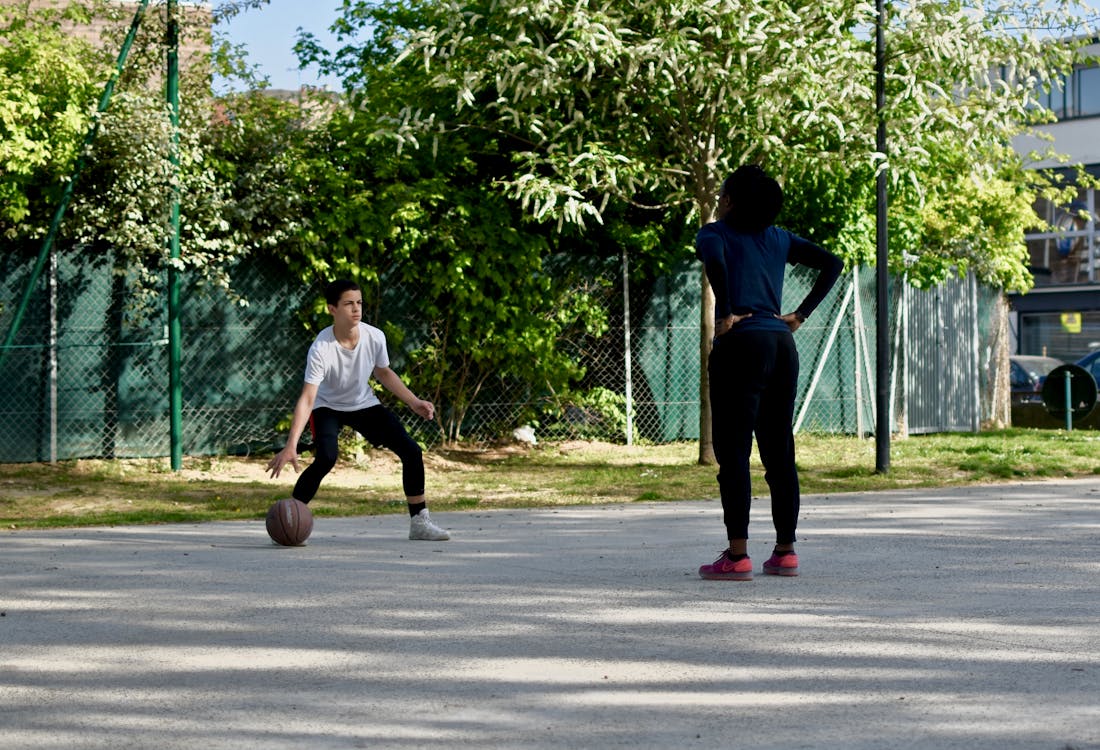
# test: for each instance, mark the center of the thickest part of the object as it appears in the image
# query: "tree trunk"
(998, 411)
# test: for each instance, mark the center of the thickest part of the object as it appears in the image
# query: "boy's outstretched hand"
(424, 408)
(287, 455)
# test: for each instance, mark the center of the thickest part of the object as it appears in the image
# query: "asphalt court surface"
(963, 617)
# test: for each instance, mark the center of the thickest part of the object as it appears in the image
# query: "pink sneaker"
(725, 569)
(782, 565)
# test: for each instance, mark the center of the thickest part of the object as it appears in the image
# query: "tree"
(50, 78)
(964, 83)
(609, 100)
(450, 268)
(235, 155)
(612, 99)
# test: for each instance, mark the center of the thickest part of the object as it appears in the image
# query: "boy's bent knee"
(324, 460)
(409, 451)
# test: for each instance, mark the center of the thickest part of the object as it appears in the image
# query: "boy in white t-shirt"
(337, 392)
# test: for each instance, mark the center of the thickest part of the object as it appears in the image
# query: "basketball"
(289, 522)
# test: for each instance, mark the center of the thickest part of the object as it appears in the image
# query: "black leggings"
(753, 382)
(380, 427)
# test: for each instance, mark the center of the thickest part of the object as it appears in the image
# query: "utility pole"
(882, 257)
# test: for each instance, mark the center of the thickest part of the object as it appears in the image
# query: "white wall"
(1077, 139)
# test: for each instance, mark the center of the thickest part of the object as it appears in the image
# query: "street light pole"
(882, 276)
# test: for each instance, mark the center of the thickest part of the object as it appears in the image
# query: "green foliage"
(616, 99)
(254, 150)
(51, 81)
(594, 107)
(977, 226)
(471, 293)
(596, 414)
(962, 85)
(833, 210)
(654, 102)
(235, 156)
(449, 267)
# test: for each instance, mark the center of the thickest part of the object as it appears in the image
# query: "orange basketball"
(289, 522)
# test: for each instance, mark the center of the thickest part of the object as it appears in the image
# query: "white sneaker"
(422, 528)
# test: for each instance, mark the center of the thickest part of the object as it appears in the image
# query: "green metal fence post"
(175, 396)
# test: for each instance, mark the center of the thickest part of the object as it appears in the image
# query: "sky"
(269, 33)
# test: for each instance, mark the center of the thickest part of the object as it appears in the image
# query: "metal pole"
(857, 379)
(895, 369)
(882, 313)
(175, 395)
(627, 357)
(975, 354)
(823, 358)
(1094, 252)
(52, 284)
(1069, 402)
(67, 192)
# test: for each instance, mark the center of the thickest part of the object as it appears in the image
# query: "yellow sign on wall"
(1071, 322)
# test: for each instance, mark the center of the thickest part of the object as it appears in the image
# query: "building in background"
(196, 21)
(1060, 317)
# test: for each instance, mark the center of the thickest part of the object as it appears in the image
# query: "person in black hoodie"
(753, 365)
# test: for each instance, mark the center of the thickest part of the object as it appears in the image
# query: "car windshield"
(1038, 366)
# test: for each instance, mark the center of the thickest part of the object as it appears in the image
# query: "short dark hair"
(755, 199)
(335, 290)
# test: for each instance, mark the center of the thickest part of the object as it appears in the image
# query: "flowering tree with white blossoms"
(653, 102)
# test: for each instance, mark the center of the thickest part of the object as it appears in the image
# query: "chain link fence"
(87, 374)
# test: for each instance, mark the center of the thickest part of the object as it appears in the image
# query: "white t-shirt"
(342, 376)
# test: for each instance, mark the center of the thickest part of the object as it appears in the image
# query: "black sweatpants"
(753, 382)
(379, 426)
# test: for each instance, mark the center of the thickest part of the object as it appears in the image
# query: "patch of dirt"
(591, 447)
(476, 458)
(362, 470)
(358, 471)
(375, 468)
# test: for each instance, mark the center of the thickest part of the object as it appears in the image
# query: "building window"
(1055, 101)
(1069, 252)
(1067, 336)
(1088, 91)
(1073, 96)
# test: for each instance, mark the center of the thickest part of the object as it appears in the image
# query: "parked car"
(1091, 362)
(1026, 376)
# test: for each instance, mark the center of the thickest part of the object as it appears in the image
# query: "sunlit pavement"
(962, 618)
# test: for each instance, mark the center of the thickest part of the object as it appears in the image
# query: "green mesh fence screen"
(87, 375)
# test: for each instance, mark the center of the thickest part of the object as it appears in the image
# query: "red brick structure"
(195, 20)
